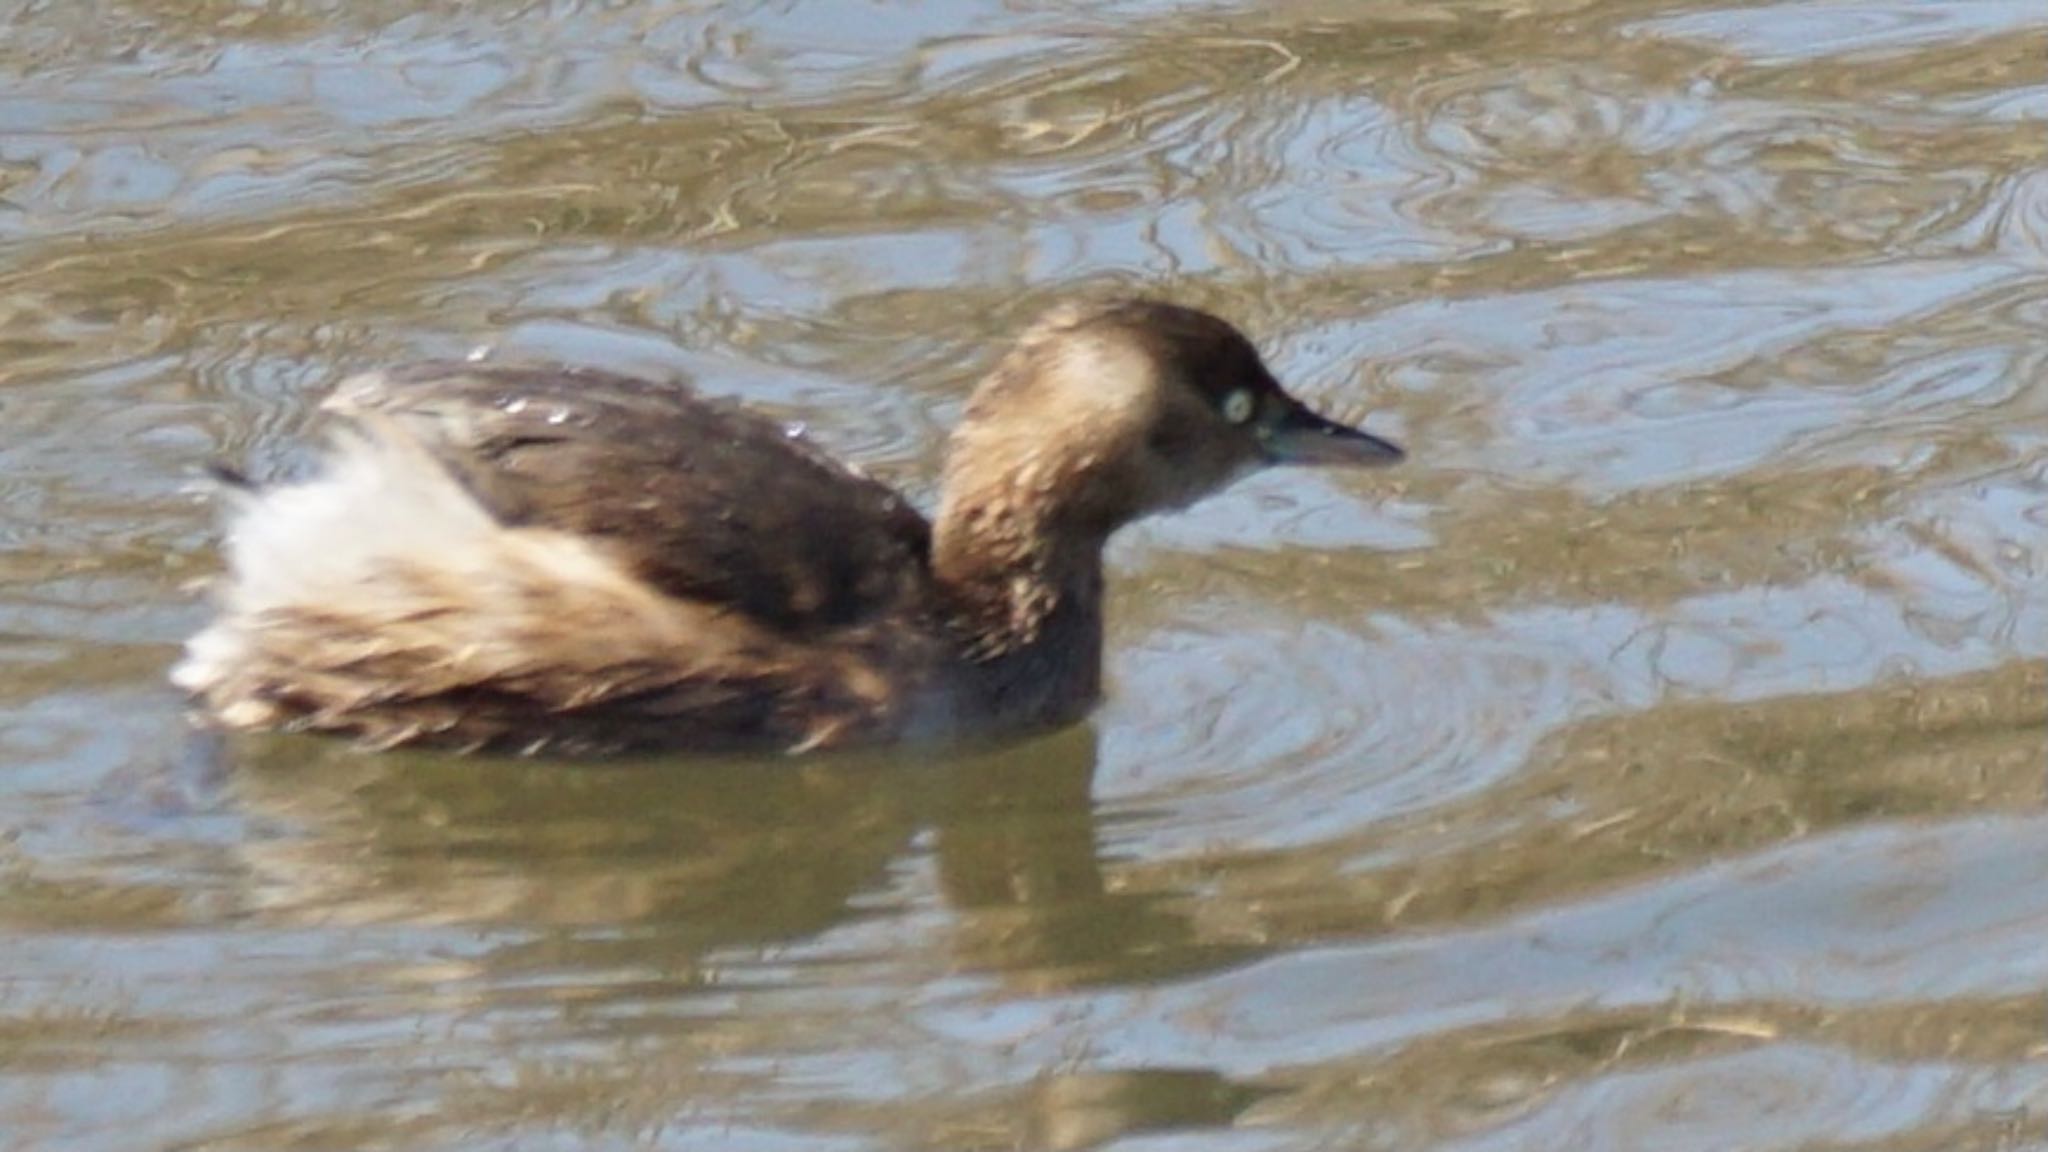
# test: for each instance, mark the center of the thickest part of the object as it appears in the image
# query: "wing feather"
(704, 499)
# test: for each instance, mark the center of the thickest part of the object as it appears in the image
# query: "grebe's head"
(1104, 413)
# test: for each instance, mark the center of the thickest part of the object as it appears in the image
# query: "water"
(1656, 761)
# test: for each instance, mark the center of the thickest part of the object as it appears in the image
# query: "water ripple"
(1653, 761)
(1812, 29)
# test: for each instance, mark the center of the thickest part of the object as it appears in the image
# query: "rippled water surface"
(1655, 762)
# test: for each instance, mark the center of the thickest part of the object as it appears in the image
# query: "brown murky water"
(1655, 763)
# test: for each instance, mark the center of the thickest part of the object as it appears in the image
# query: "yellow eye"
(1239, 406)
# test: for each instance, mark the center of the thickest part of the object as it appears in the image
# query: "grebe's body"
(545, 558)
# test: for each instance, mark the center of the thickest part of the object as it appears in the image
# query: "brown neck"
(1017, 543)
(1025, 607)
(1013, 580)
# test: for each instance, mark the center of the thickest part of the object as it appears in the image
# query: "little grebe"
(555, 558)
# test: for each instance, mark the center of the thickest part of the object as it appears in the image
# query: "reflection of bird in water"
(554, 558)
(652, 906)
(1076, 1110)
(696, 857)
(1020, 863)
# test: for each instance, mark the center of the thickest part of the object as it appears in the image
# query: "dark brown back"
(702, 498)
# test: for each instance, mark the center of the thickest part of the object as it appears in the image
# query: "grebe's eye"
(1240, 405)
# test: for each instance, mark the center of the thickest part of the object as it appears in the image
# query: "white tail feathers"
(393, 554)
(379, 500)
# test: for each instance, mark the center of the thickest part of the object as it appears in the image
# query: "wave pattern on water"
(1656, 761)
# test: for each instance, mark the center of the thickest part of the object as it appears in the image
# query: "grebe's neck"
(1017, 576)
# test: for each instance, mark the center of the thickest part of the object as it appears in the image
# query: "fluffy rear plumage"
(381, 599)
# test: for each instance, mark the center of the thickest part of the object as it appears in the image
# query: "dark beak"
(1300, 436)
